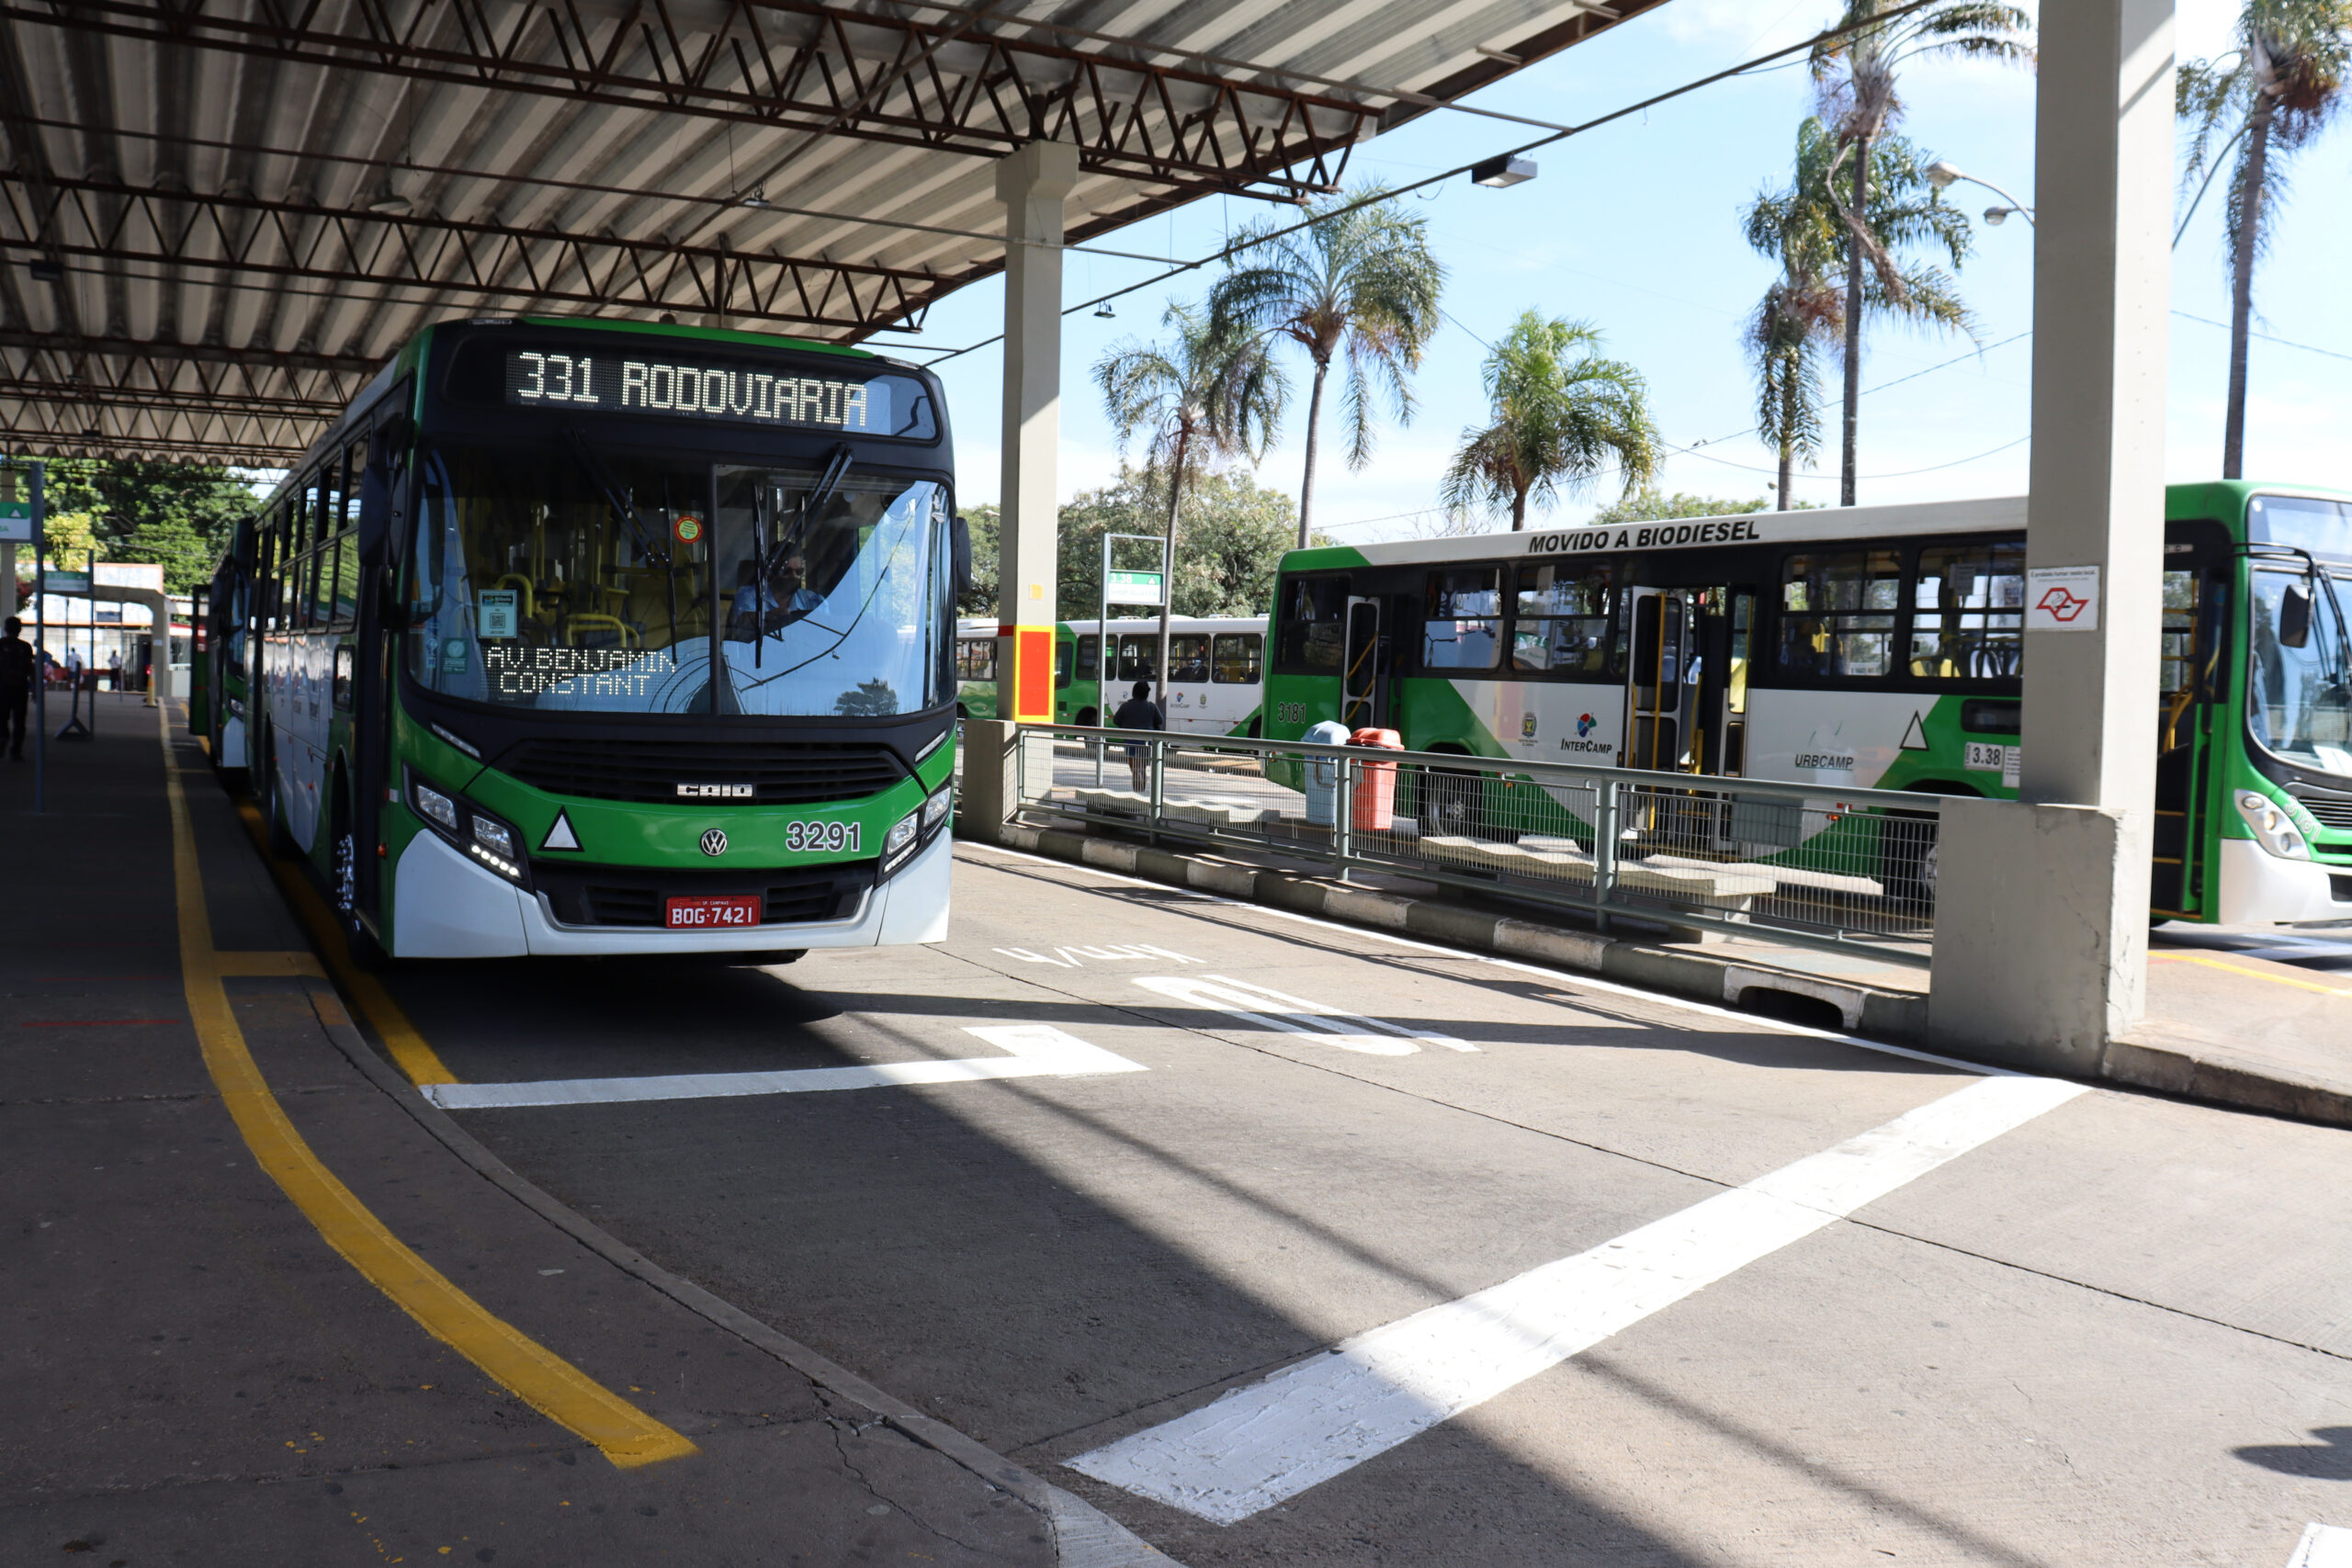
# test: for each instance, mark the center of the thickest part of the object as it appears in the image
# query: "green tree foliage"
(1854, 76)
(1235, 534)
(180, 515)
(1209, 394)
(1648, 504)
(982, 600)
(1561, 412)
(2281, 84)
(1804, 229)
(1359, 284)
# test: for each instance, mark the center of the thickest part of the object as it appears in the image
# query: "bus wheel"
(1449, 802)
(343, 885)
(1086, 718)
(1908, 852)
(1256, 726)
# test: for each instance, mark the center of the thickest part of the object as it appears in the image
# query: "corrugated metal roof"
(221, 215)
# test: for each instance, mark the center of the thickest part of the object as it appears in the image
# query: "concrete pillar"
(2041, 924)
(7, 580)
(1031, 182)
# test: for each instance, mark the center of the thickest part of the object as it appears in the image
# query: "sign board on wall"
(2062, 599)
(1131, 588)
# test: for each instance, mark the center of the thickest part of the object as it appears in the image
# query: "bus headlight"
(917, 827)
(899, 839)
(2273, 829)
(935, 810)
(483, 839)
(435, 807)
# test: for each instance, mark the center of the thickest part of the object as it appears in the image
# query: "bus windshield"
(2299, 699)
(580, 582)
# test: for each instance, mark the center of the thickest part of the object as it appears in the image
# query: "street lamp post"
(1943, 177)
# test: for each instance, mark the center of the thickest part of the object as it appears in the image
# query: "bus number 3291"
(822, 837)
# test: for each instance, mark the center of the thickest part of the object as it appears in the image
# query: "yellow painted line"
(2257, 974)
(410, 1051)
(530, 1372)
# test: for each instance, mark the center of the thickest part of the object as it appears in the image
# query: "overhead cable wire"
(1561, 134)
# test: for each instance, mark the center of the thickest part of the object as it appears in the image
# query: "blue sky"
(1635, 228)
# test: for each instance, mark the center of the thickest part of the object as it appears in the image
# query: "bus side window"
(1237, 659)
(1968, 612)
(976, 658)
(1561, 620)
(1089, 658)
(1188, 660)
(1062, 654)
(1461, 619)
(1314, 628)
(1139, 656)
(1837, 611)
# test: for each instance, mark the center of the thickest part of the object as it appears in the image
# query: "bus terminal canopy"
(222, 216)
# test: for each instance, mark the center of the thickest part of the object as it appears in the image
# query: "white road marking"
(1319, 1419)
(1556, 976)
(1076, 957)
(2323, 1546)
(1270, 1009)
(1037, 1050)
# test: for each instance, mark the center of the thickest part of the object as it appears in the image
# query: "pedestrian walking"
(1139, 711)
(16, 687)
(114, 669)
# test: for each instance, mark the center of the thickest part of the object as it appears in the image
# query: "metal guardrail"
(1849, 870)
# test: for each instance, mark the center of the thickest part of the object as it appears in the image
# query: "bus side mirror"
(959, 545)
(2295, 617)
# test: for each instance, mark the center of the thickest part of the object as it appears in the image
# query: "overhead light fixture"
(1104, 313)
(1941, 174)
(48, 271)
(389, 202)
(1501, 174)
(758, 200)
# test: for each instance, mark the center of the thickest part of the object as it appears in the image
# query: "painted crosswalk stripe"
(1036, 1050)
(2323, 1546)
(1266, 1009)
(1318, 1418)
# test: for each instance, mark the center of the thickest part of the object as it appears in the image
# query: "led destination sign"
(735, 393)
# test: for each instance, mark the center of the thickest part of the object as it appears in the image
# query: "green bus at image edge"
(1861, 647)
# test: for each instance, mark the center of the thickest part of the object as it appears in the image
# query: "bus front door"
(1658, 693)
(2190, 678)
(1363, 685)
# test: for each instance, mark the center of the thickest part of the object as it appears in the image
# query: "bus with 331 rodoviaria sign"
(1874, 647)
(592, 638)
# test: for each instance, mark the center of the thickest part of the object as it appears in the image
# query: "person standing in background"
(16, 685)
(1139, 711)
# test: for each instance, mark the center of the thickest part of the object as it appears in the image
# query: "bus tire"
(342, 883)
(1447, 803)
(1257, 731)
(1086, 718)
(1908, 860)
(962, 712)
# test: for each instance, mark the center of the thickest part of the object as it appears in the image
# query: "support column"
(7, 580)
(1031, 182)
(2041, 925)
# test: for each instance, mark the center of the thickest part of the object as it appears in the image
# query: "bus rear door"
(1364, 685)
(1657, 699)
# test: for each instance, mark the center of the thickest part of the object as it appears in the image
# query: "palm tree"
(1854, 76)
(1212, 394)
(1560, 410)
(1360, 285)
(2281, 84)
(1804, 227)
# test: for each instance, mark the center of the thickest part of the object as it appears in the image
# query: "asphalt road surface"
(1290, 1244)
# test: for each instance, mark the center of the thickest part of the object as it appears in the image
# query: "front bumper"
(447, 906)
(2257, 888)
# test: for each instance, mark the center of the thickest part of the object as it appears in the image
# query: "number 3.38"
(822, 837)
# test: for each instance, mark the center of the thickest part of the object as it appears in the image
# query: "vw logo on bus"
(714, 841)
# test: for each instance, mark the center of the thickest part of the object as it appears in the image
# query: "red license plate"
(705, 914)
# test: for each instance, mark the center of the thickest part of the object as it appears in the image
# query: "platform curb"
(1083, 1536)
(2144, 1062)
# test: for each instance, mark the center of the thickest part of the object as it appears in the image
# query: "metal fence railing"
(1815, 865)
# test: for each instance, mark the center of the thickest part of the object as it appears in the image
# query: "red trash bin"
(1376, 783)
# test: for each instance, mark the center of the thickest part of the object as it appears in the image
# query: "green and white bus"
(1215, 679)
(593, 637)
(217, 694)
(1861, 647)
